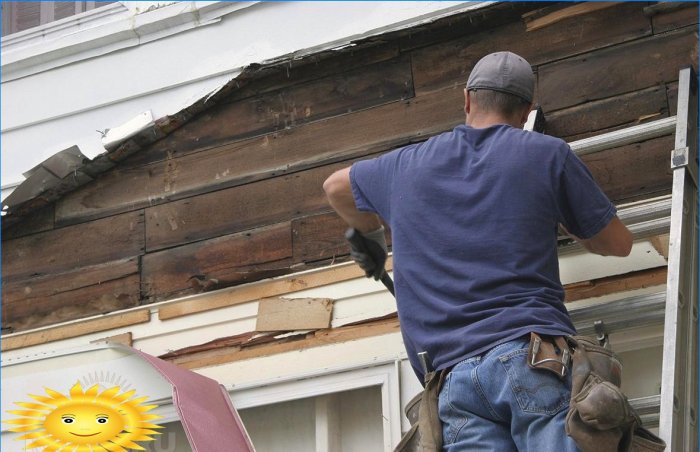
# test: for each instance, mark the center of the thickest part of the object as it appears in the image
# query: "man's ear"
(467, 102)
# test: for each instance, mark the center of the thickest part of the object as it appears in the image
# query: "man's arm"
(339, 194)
(613, 240)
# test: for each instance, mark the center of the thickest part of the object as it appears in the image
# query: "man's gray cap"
(505, 72)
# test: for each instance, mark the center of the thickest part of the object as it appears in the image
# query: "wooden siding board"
(671, 20)
(634, 171)
(315, 144)
(319, 237)
(72, 295)
(223, 261)
(449, 63)
(672, 96)
(616, 70)
(59, 250)
(623, 111)
(237, 209)
(291, 106)
(259, 79)
(40, 220)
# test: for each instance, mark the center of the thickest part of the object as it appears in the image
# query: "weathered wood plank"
(287, 314)
(635, 171)
(540, 21)
(217, 263)
(59, 250)
(38, 221)
(312, 145)
(237, 209)
(670, 20)
(619, 111)
(258, 79)
(320, 237)
(36, 311)
(290, 106)
(60, 332)
(616, 70)
(449, 63)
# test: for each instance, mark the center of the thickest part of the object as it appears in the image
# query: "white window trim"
(385, 375)
(103, 30)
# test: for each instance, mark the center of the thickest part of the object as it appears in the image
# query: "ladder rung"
(647, 408)
(645, 219)
(630, 312)
(621, 137)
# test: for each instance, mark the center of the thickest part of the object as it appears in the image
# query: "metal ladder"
(677, 308)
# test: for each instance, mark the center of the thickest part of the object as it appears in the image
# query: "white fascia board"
(102, 31)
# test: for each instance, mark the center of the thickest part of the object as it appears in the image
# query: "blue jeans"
(495, 402)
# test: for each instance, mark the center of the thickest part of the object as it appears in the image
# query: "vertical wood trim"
(46, 12)
(328, 423)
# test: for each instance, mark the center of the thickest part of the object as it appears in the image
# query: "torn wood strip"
(566, 13)
(76, 329)
(287, 314)
(264, 289)
(123, 339)
(319, 338)
(614, 284)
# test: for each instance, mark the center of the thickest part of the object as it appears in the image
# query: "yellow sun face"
(85, 421)
(84, 424)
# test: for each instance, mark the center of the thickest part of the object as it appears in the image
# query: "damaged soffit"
(69, 169)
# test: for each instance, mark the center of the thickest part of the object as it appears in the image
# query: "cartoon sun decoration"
(85, 421)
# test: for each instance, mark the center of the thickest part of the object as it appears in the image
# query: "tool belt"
(600, 418)
(425, 434)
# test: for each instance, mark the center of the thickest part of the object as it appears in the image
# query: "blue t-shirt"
(473, 215)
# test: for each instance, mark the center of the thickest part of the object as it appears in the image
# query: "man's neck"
(484, 121)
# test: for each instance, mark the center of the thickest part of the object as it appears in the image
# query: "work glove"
(369, 250)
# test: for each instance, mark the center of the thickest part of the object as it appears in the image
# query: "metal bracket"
(679, 157)
(601, 334)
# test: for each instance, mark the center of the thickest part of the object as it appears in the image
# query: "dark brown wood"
(221, 262)
(681, 17)
(449, 63)
(616, 70)
(318, 237)
(60, 250)
(40, 220)
(619, 111)
(291, 106)
(315, 144)
(237, 209)
(568, 12)
(75, 294)
(321, 237)
(635, 171)
(258, 79)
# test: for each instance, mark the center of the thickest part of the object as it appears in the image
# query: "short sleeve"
(371, 182)
(583, 207)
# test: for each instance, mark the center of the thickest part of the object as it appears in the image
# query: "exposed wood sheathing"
(230, 192)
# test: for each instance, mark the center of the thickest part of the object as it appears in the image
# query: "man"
(474, 215)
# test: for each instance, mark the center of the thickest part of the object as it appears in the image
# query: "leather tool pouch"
(600, 418)
(549, 353)
(425, 434)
